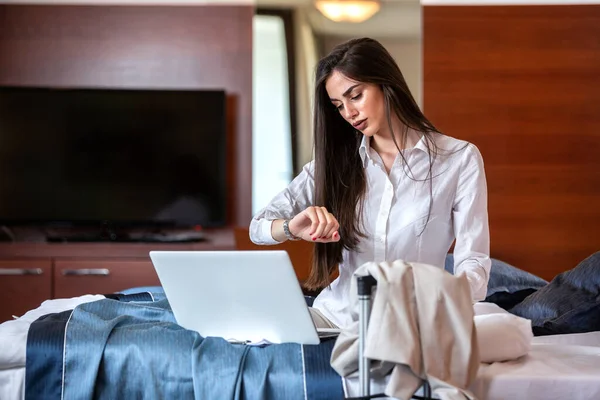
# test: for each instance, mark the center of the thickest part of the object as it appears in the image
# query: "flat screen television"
(125, 157)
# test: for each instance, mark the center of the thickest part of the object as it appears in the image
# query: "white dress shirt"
(395, 216)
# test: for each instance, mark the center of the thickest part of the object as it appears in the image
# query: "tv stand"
(181, 236)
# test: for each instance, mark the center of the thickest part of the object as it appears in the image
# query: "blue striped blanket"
(130, 347)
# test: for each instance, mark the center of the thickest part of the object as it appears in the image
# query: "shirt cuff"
(265, 229)
(478, 286)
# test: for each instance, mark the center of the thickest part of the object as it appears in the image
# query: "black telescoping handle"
(365, 285)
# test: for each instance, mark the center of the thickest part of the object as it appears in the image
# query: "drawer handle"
(21, 271)
(86, 272)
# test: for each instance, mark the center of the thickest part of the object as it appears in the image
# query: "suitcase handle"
(365, 285)
(365, 288)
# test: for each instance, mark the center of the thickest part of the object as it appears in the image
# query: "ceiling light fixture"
(348, 10)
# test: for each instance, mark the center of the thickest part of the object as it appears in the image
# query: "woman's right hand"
(315, 224)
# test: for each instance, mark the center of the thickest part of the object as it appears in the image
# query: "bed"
(108, 347)
(557, 367)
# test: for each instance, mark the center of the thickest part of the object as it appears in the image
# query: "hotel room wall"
(141, 47)
(523, 84)
(199, 47)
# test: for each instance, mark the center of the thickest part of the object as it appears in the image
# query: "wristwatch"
(286, 230)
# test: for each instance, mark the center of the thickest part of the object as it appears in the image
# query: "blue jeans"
(134, 349)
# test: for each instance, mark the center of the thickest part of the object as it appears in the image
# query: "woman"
(384, 184)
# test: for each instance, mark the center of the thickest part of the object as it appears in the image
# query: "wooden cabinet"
(80, 276)
(24, 285)
(33, 271)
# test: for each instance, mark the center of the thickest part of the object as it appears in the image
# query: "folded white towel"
(502, 336)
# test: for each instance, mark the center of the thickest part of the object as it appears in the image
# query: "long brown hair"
(340, 181)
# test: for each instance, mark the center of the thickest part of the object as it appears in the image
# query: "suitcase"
(365, 286)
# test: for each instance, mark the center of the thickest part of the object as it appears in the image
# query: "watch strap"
(286, 231)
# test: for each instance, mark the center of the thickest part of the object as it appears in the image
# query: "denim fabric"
(45, 351)
(322, 382)
(111, 352)
(141, 289)
(570, 303)
(507, 300)
(225, 371)
(142, 296)
(505, 278)
(309, 300)
(44, 357)
(285, 371)
(117, 349)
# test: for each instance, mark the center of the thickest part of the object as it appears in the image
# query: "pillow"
(505, 278)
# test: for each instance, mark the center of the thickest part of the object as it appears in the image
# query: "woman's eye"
(340, 107)
(358, 96)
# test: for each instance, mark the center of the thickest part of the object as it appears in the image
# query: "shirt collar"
(365, 148)
(421, 145)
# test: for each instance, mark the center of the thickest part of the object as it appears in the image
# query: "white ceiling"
(396, 19)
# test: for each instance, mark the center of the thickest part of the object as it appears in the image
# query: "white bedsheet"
(13, 344)
(12, 383)
(558, 367)
(550, 371)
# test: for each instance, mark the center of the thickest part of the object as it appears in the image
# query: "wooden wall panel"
(523, 84)
(202, 47)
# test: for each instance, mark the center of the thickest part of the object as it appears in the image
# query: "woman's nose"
(350, 112)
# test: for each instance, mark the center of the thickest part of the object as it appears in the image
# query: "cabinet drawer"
(78, 277)
(24, 285)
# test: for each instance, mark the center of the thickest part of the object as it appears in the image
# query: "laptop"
(241, 296)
